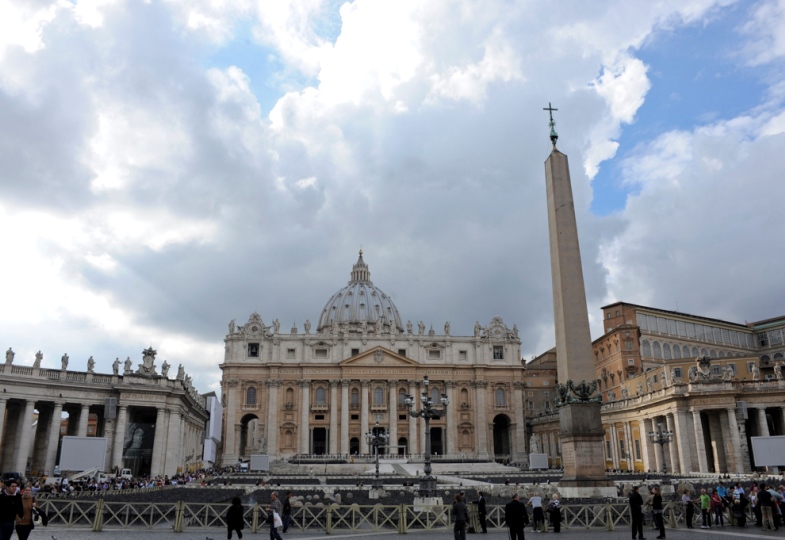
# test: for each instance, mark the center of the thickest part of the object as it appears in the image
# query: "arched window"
(355, 397)
(713, 353)
(704, 352)
(778, 356)
(321, 396)
(765, 358)
(695, 352)
(401, 398)
(666, 351)
(676, 351)
(250, 396)
(646, 348)
(685, 351)
(656, 350)
(501, 397)
(378, 396)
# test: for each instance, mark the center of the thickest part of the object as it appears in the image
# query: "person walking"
(657, 511)
(234, 519)
(461, 515)
(554, 512)
(538, 517)
(636, 513)
(766, 503)
(24, 524)
(481, 512)
(287, 511)
(10, 509)
(705, 509)
(275, 507)
(689, 508)
(516, 517)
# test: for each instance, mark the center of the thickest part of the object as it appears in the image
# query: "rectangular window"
(716, 370)
(750, 367)
(320, 353)
(699, 332)
(355, 417)
(629, 345)
(434, 354)
(498, 352)
(637, 449)
(681, 328)
(672, 327)
(547, 396)
(654, 379)
(677, 372)
(355, 352)
(733, 369)
(726, 336)
(401, 417)
(290, 354)
(607, 449)
(463, 355)
(253, 350)
(734, 337)
(690, 330)
(401, 352)
(318, 417)
(775, 337)
(662, 325)
(717, 335)
(750, 341)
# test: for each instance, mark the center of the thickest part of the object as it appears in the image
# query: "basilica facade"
(322, 390)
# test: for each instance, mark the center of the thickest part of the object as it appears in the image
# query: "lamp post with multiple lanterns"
(429, 411)
(662, 438)
(376, 439)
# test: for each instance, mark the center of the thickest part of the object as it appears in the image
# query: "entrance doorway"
(437, 442)
(319, 442)
(501, 437)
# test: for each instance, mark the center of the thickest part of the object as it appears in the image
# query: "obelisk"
(580, 427)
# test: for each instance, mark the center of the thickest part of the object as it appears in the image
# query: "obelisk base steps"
(583, 458)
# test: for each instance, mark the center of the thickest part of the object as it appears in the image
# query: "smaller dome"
(360, 304)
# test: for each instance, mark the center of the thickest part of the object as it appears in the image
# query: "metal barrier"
(101, 514)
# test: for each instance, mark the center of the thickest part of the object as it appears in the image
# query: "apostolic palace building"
(321, 390)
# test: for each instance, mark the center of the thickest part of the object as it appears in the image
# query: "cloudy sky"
(167, 166)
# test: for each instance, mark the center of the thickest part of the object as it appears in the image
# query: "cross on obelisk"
(580, 426)
(552, 124)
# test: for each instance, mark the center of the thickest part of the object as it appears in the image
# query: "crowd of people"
(717, 506)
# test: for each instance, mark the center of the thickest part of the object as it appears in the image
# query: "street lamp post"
(662, 438)
(428, 412)
(376, 439)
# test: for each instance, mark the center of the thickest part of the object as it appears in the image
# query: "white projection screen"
(768, 451)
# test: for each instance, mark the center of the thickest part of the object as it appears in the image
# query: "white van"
(126, 473)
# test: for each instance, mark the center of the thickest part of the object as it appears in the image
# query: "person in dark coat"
(657, 511)
(517, 517)
(481, 511)
(636, 513)
(287, 511)
(554, 513)
(461, 516)
(234, 519)
(10, 509)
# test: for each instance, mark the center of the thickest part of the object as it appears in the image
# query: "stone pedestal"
(582, 437)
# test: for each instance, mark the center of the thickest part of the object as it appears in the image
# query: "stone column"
(413, 446)
(3, 403)
(345, 416)
(717, 438)
(364, 385)
(84, 416)
(735, 440)
(763, 425)
(159, 443)
(119, 436)
(305, 415)
(334, 412)
(681, 439)
(26, 434)
(481, 420)
(520, 424)
(649, 461)
(272, 418)
(174, 452)
(700, 442)
(631, 449)
(54, 437)
(229, 456)
(673, 446)
(392, 411)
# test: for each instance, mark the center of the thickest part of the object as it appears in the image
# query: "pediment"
(378, 356)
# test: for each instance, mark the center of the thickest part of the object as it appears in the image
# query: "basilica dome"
(360, 306)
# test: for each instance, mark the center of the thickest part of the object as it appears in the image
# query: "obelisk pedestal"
(580, 426)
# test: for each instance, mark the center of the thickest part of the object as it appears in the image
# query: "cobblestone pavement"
(725, 533)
